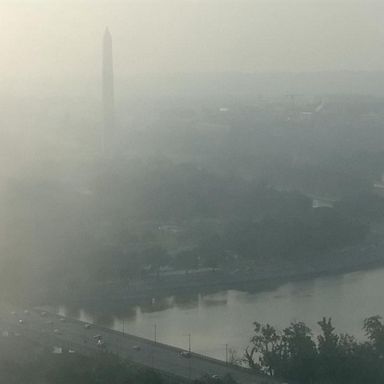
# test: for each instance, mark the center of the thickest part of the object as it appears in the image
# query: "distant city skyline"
(57, 39)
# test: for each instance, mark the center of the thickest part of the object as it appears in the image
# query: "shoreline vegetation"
(182, 229)
(260, 279)
(294, 353)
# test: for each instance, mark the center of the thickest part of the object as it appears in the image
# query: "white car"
(57, 350)
(136, 347)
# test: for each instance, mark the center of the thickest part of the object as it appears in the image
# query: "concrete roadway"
(53, 330)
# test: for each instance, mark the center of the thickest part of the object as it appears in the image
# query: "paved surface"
(52, 330)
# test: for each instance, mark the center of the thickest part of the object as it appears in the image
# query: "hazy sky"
(62, 38)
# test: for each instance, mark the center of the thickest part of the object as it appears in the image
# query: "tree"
(186, 259)
(374, 329)
(328, 347)
(266, 349)
(329, 359)
(156, 257)
(298, 359)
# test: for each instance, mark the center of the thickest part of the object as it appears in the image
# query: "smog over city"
(192, 191)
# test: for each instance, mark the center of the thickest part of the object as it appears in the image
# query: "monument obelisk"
(108, 94)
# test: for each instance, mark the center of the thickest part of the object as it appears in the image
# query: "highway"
(53, 330)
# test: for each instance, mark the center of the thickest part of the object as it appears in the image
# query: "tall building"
(108, 93)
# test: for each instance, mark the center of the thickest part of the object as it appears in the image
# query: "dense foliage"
(61, 239)
(295, 354)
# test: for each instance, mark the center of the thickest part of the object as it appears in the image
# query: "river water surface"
(225, 318)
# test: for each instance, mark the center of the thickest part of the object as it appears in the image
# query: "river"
(225, 318)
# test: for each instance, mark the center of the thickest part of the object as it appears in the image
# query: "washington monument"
(108, 93)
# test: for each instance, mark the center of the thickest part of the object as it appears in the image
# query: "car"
(43, 313)
(185, 354)
(136, 347)
(71, 351)
(57, 331)
(21, 321)
(215, 377)
(57, 350)
(26, 312)
(87, 326)
(62, 319)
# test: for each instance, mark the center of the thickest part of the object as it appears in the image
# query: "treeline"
(295, 354)
(59, 235)
(165, 191)
(254, 219)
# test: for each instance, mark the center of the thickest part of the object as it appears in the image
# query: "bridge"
(53, 330)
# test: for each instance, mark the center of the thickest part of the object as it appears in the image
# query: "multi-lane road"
(56, 331)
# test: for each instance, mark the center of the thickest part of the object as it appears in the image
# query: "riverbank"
(258, 278)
